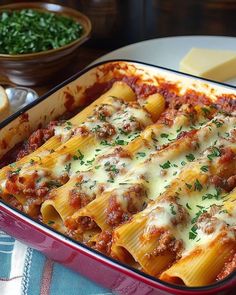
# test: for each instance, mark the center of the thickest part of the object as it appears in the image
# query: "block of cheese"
(4, 104)
(218, 65)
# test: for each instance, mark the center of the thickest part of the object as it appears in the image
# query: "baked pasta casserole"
(143, 174)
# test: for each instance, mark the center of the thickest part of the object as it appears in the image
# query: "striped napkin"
(24, 271)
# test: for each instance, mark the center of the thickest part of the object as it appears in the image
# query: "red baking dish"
(118, 277)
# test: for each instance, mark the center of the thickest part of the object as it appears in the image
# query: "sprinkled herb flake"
(90, 162)
(190, 157)
(172, 209)
(166, 165)
(51, 222)
(200, 212)
(68, 167)
(197, 185)
(193, 232)
(164, 135)
(102, 117)
(32, 161)
(120, 142)
(68, 125)
(189, 186)
(206, 111)
(215, 195)
(17, 171)
(141, 154)
(105, 143)
(81, 156)
(179, 129)
(217, 123)
(205, 168)
(214, 153)
(111, 180)
(187, 205)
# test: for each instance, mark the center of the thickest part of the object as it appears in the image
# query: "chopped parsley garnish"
(223, 211)
(206, 111)
(17, 171)
(179, 129)
(68, 125)
(123, 132)
(183, 163)
(190, 157)
(197, 185)
(32, 161)
(102, 117)
(216, 195)
(200, 212)
(96, 128)
(204, 168)
(141, 154)
(93, 185)
(214, 153)
(187, 205)
(81, 156)
(166, 165)
(68, 167)
(90, 162)
(164, 135)
(110, 180)
(172, 209)
(193, 232)
(105, 142)
(227, 134)
(217, 123)
(189, 186)
(120, 142)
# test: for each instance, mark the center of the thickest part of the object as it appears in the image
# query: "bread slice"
(4, 104)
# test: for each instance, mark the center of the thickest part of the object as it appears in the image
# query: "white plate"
(167, 52)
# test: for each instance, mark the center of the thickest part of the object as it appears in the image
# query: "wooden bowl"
(42, 67)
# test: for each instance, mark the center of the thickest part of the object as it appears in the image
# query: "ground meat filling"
(166, 243)
(78, 199)
(227, 184)
(104, 242)
(37, 139)
(122, 207)
(36, 185)
(228, 268)
(103, 112)
(115, 215)
(105, 131)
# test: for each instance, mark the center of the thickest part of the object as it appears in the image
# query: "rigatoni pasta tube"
(119, 90)
(206, 262)
(155, 105)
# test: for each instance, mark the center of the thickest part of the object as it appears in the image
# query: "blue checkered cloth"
(24, 271)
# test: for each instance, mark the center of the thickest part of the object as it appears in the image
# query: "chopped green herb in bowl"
(29, 31)
(39, 41)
